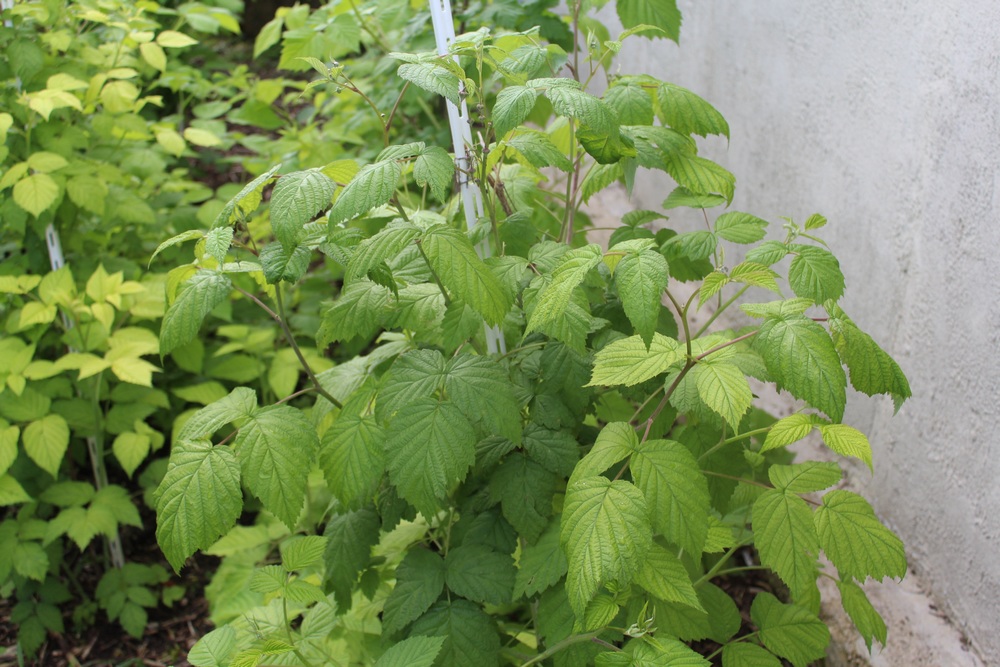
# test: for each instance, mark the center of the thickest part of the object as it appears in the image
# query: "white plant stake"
(461, 137)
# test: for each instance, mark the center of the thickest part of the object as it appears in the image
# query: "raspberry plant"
(570, 500)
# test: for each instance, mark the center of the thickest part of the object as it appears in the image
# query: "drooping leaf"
(429, 447)
(276, 448)
(865, 617)
(480, 574)
(688, 113)
(454, 260)
(296, 199)
(183, 319)
(801, 358)
(786, 538)
(198, 500)
(470, 635)
(419, 581)
(872, 370)
(790, 631)
(606, 535)
(433, 78)
(676, 491)
(627, 361)
(641, 279)
(855, 540)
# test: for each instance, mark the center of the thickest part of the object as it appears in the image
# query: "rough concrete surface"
(885, 117)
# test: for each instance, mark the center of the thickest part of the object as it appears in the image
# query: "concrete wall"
(885, 117)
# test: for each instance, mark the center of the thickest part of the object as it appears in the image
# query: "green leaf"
(801, 358)
(11, 491)
(281, 262)
(198, 500)
(541, 565)
(295, 200)
(688, 113)
(452, 257)
(724, 389)
(415, 374)
(847, 441)
(434, 79)
(382, 247)
(768, 253)
(36, 193)
(513, 105)
(676, 491)
(555, 297)
(419, 581)
(558, 451)
(359, 311)
(435, 168)
(855, 540)
(865, 617)
(815, 274)
(627, 361)
(480, 574)
(872, 370)
(606, 535)
(8, 445)
(239, 404)
(524, 489)
(804, 477)
(302, 551)
(740, 227)
(246, 200)
(352, 459)
(789, 430)
(131, 449)
(183, 319)
(662, 14)
(214, 649)
(178, 238)
(681, 196)
(748, 655)
(429, 447)
(641, 278)
(374, 185)
(268, 36)
(695, 246)
(538, 150)
(276, 448)
(45, 441)
(700, 175)
(412, 652)
(786, 538)
(632, 102)
(481, 389)
(470, 636)
(349, 541)
(664, 576)
(575, 103)
(217, 242)
(789, 631)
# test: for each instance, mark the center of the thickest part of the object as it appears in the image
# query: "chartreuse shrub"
(573, 499)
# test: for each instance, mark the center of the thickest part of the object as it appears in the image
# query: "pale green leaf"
(171, 39)
(359, 311)
(676, 491)
(36, 193)
(214, 649)
(688, 113)
(513, 105)
(755, 275)
(434, 78)
(847, 441)
(614, 443)
(786, 538)
(238, 405)
(789, 430)
(352, 459)
(541, 564)
(768, 253)
(198, 500)
(815, 274)
(246, 200)
(801, 358)
(154, 55)
(295, 200)
(470, 635)
(268, 36)
(664, 576)
(805, 477)
(724, 389)
(45, 441)
(740, 227)
(450, 253)
(412, 652)
(419, 581)
(429, 447)
(662, 14)
(855, 540)
(8, 445)
(131, 449)
(302, 551)
(606, 534)
(790, 631)
(200, 137)
(183, 319)
(374, 185)
(872, 370)
(276, 448)
(480, 574)
(743, 654)
(627, 361)
(641, 278)
(571, 271)
(865, 617)
(11, 491)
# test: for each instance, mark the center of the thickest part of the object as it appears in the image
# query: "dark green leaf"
(349, 539)
(296, 199)
(352, 459)
(470, 636)
(419, 582)
(480, 574)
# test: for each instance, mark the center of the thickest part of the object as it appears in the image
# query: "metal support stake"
(461, 137)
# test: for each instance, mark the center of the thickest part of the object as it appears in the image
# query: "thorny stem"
(279, 318)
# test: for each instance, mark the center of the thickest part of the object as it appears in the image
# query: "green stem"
(728, 343)
(682, 312)
(666, 397)
(559, 646)
(735, 438)
(638, 411)
(392, 114)
(720, 310)
(718, 565)
(437, 279)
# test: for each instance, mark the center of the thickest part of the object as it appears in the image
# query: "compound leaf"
(450, 253)
(352, 458)
(295, 200)
(478, 573)
(628, 361)
(790, 631)
(641, 279)
(419, 582)
(183, 319)
(855, 540)
(786, 538)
